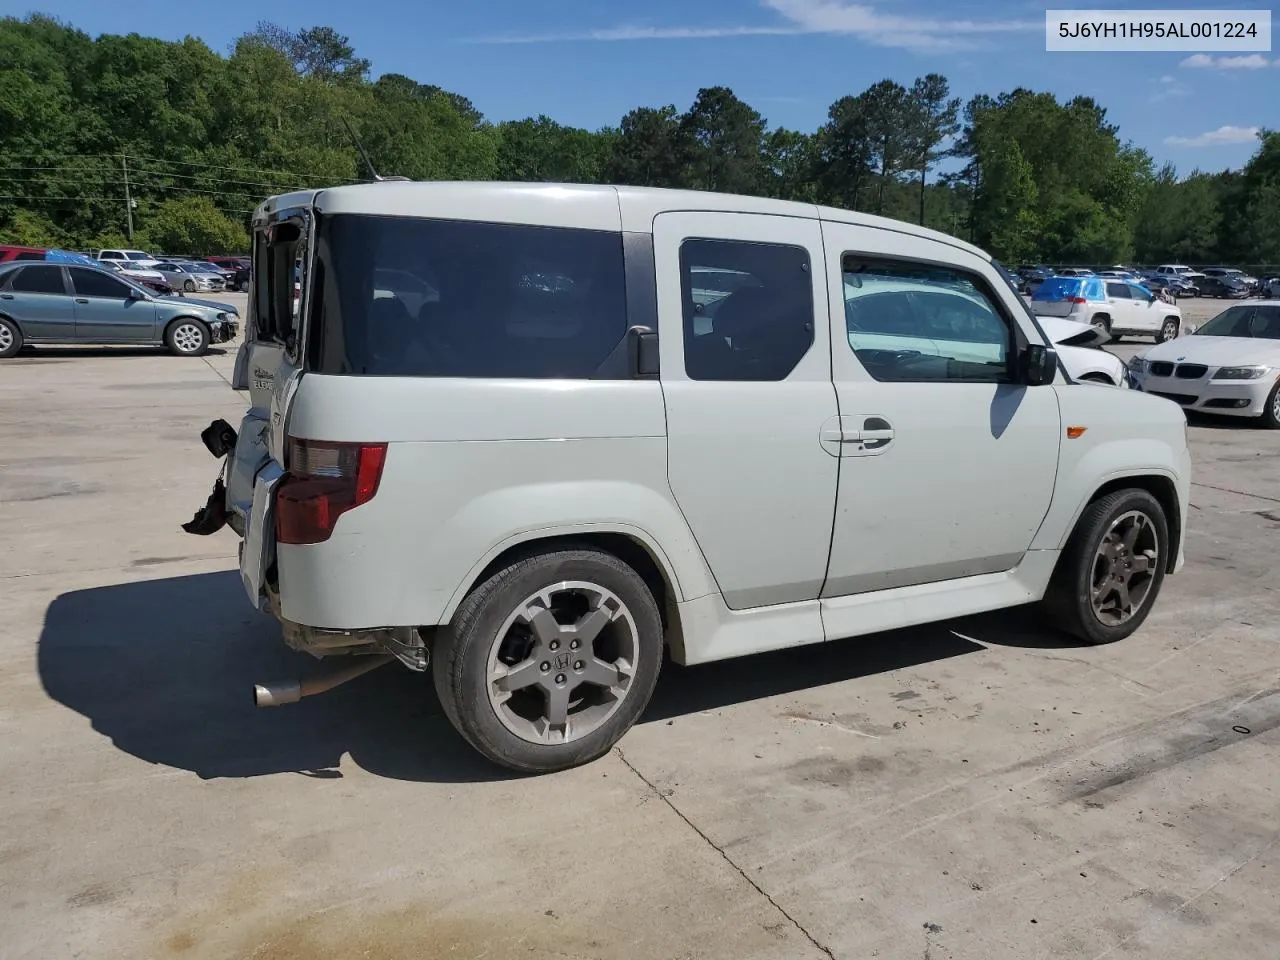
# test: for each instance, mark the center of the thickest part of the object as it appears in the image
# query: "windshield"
(1256, 323)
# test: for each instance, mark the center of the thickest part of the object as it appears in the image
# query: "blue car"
(61, 303)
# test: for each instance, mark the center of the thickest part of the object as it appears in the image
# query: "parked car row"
(77, 301)
(187, 274)
(1172, 279)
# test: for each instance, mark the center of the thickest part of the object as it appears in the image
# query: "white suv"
(530, 436)
(1179, 270)
(135, 258)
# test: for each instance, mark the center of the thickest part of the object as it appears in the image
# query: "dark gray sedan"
(46, 303)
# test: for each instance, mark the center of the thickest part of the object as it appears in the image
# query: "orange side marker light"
(1075, 433)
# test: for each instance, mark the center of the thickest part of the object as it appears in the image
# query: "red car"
(9, 252)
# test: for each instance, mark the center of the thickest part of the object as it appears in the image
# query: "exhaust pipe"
(280, 692)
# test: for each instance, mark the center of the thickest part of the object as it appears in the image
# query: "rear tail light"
(324, 481)
(1079, 300)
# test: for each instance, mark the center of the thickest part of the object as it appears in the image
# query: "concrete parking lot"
(982, 789)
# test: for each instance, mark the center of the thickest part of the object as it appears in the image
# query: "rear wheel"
(551, 660)
(1270, 414)
(1168, 330)
(10, 338)
(187, 338)
(1103, 324)
(1109, 575)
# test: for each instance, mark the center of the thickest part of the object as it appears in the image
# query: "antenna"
(360, 148)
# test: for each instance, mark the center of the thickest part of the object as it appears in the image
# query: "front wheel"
(189, 286)
(187, 338)
(244, 286)
(1107, 579)
(1168, 330)
(10, 338)
(551, 660)
(1270, 415)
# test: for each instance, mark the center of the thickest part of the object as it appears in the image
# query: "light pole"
(128, 200)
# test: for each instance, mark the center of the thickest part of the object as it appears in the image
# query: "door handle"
(82, 299)
(6, 296)
(866, 435)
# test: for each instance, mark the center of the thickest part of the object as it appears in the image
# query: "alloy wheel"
(188, 337)
(1124, 568)
(6, 337)
(563, 662)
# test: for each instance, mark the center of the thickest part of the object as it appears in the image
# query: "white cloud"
(1214, 138)
(1253, 61)
(800, 17)
(1167, 79)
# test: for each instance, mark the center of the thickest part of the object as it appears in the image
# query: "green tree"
(889, 130)
(933, 119)
(193, 225)
(646, 151)
(722, 143)
(844, 152)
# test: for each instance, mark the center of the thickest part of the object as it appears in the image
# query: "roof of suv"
(586, 206)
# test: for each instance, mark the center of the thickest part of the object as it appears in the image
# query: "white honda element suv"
(531, 436)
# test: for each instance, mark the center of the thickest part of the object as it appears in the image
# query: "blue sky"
(586, 63)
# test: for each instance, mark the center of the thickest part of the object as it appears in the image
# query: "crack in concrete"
(1238, 493)
(727, 859)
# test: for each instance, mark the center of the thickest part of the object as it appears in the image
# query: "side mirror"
(642, 353)
(136, 294)
(1038, 365)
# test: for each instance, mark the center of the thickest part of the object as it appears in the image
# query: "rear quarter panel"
(474, 467)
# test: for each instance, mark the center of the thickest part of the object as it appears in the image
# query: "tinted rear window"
(453, 298)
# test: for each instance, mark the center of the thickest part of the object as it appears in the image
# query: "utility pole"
(128, 200)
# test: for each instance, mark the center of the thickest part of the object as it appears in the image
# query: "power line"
(192, 163)
(157, 188)
(199, 177)
(14, 196)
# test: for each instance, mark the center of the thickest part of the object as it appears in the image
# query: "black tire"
(461, 652)
(1170, 323)
(10, 338)
(1103, 323)
(1097, 378)
(244, 286)
(1067, 604)
(178, 337)
(189, 286)
(1270, 418)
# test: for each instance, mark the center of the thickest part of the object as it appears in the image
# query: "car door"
(1119, 305)
(1148, 312)
(746, 375)
(37, 297)
(106, 310)
(948, 462)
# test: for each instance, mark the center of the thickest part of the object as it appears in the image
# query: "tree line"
(186, 142)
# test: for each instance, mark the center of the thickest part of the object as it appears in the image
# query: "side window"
(748, 309)
(29, 255)
(923, 323)
(1118, 291)
(1265, 323)
(1137, 292)
(46, 279)
(92, 283)
(110, 255)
